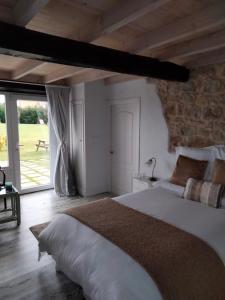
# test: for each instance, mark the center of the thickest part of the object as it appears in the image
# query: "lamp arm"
(153, 169)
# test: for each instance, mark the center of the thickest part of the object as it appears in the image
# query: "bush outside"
(2, 113)
(27, 115)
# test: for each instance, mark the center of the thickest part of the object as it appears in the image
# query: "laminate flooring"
(21, 275)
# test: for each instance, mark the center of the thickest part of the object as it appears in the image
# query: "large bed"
(104, 270)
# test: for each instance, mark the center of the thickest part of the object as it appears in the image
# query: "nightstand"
(140, 184)
(14, 210)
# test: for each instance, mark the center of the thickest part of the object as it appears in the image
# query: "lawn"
(29, 134)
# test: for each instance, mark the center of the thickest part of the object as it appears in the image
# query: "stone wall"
(195, 111)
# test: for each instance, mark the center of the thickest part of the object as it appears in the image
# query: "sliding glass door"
(26, 144)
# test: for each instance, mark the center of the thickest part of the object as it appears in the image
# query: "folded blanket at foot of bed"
(183, 266)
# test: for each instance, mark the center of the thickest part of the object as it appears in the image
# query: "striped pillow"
(204, 191)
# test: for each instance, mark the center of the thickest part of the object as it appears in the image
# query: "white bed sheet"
(103, 270)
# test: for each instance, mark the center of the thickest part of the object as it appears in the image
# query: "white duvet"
(103, 270)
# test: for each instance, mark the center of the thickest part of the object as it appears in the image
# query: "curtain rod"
(24, 87)
(8, 81)
(58, 85)
(21, 87)
(32, 83)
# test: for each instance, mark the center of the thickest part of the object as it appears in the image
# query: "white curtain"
(58, 99)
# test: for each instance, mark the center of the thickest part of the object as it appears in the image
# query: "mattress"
(106, 272)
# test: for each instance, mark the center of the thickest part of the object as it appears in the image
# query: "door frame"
(119, 101)
(13, 139)
(9, 115)
(81, 181)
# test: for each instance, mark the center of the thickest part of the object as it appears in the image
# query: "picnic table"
(42, 144)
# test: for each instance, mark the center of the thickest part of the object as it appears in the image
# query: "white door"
(125, 128)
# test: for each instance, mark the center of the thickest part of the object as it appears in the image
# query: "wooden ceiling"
(190, 33)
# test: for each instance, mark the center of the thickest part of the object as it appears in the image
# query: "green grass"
(29, 134)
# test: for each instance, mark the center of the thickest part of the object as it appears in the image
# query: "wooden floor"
(21, 275)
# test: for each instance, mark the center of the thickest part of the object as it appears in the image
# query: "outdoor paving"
(33, 175)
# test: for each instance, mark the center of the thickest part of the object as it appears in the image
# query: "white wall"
(91, 158)
(96, 131)
(78, 92)
(153, 131)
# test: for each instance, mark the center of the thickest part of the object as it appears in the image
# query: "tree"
(28, 115)
(2, 113)
(42, 114)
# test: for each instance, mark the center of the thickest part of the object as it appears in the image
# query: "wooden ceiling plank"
(61, 74)
(200, 45)
(32, 78)
(211, 17)
(121, 15)
(92, 75)
(18, 41)
(26, 68)
(5, 14)
(120, 78)
(5, 75)
(24, 11)
(126, 12)
(214, 57)
(204, 20)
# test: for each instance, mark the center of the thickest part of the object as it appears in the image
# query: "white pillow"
(219, 151)
(200, 154)
(166, 184)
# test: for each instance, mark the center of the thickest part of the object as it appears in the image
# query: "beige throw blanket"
(183, 266)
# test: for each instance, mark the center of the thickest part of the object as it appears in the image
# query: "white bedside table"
(140, 184)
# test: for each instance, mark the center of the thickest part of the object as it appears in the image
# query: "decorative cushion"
(218, 175)
(204, 191)
(187, 167)
(199, 154)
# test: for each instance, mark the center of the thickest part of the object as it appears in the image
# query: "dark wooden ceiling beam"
(21, 42)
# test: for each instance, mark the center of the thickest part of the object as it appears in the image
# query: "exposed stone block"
(212, 86)
(195, 111)
(212, 113)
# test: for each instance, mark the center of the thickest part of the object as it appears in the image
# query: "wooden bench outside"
(42, 144)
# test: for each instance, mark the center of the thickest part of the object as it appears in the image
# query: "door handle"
(111, 152)
(18, 146)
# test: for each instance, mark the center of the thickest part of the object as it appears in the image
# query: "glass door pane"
(4, 158)
(33, 143)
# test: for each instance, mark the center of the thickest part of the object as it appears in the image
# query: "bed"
(105, 271)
